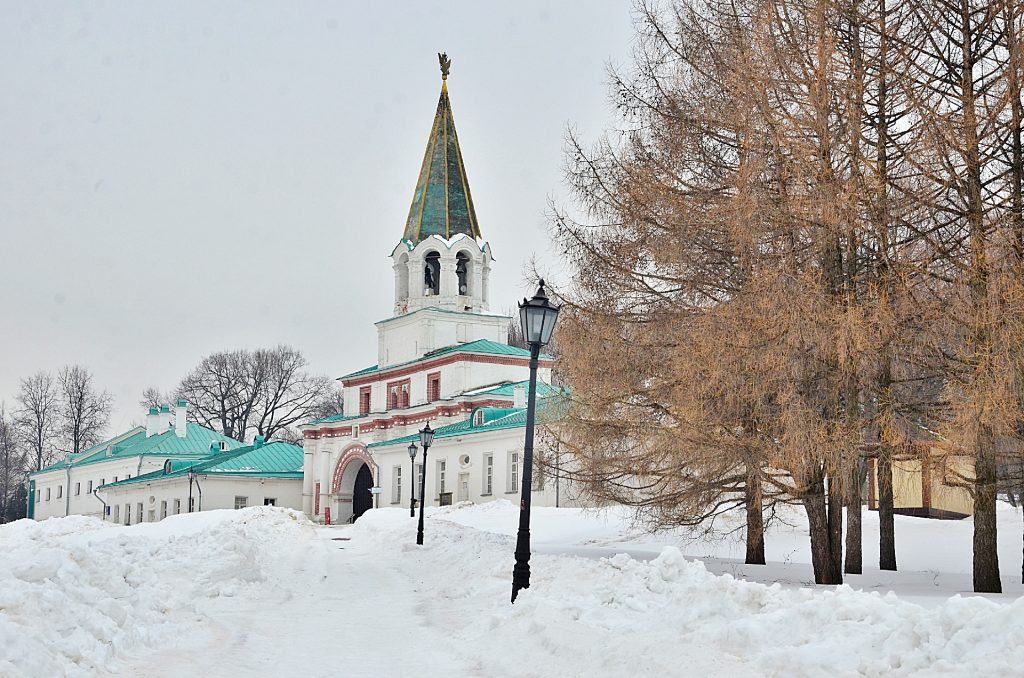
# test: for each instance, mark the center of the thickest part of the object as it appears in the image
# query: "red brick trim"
(354, 453)
(396, 372)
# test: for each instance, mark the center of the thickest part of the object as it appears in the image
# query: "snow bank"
(75, 592)
(671, 616)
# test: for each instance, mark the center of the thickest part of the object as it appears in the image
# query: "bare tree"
(85, 411)
(12, 469)
(263, 392)
(37, 417)
(154, 397)
(288, 394)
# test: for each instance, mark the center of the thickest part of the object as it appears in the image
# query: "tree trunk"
(826, 569)
(986, 555)
(755, 518)
(854, 540)
(886, 523)
(835, 524)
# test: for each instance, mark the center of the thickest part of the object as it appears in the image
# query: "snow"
(227, 593)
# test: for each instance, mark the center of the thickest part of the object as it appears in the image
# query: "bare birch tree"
(37, 417)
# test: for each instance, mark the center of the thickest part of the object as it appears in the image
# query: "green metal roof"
(495, 419)
(442, 204)
(507, 390)
(271, 460)
(196, 443)
(340, 416)
(480, 346)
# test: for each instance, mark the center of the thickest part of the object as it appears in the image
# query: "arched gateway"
(352, 484)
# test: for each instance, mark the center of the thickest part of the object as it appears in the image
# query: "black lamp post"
(538, 317)
(426, 439)
(412, 480)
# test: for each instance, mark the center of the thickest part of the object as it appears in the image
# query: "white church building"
(443, 358)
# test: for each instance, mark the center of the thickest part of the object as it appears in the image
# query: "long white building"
(443, 358)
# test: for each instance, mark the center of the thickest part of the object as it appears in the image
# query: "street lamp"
(426, 439)
(538, 317)
(412, 480)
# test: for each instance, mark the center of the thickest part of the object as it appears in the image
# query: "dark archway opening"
(362, 498)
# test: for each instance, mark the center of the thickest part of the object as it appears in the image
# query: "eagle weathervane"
(446, 64)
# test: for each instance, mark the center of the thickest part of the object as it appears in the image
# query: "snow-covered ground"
(263, 591)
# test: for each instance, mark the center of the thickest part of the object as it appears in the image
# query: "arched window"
(463, 266)
(432, 274)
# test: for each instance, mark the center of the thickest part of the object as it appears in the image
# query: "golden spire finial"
(446, 64)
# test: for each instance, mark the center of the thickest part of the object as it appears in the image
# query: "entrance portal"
(362, 498)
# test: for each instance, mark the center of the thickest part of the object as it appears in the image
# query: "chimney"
(165, 417)
(518, 396)
(258, 442)
(180, 429)
(152, 422)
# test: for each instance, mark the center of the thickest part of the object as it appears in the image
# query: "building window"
(513, 471)
(117, 513)
(60, 491)
(398, 394)
(441, 468)
(39, 495)
(488, 474)
(364, 400)
(396, 484)
(138, 513)
(433, 387)
(355, 431)
(47, 494)
(127, 514)
(89, 486)
(419, 480)
(270, 501)
(78, 489)
(151, 516)
(241, 502)
(538, 478)
(177, 506)
(191, 504)
(163, 509)
(478, 418)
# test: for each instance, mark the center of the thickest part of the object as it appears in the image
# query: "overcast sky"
(178, 178)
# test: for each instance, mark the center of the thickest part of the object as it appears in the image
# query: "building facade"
(70, 486)
(443, 358)
(261, 474)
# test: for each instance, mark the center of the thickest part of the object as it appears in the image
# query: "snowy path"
(262, 591)
(329, 618)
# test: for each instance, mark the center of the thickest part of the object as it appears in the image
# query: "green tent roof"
(442, 204)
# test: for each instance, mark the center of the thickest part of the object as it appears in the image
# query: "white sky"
(178, 178)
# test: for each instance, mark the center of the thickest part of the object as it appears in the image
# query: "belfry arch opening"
(463, 273)
(432, 274)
